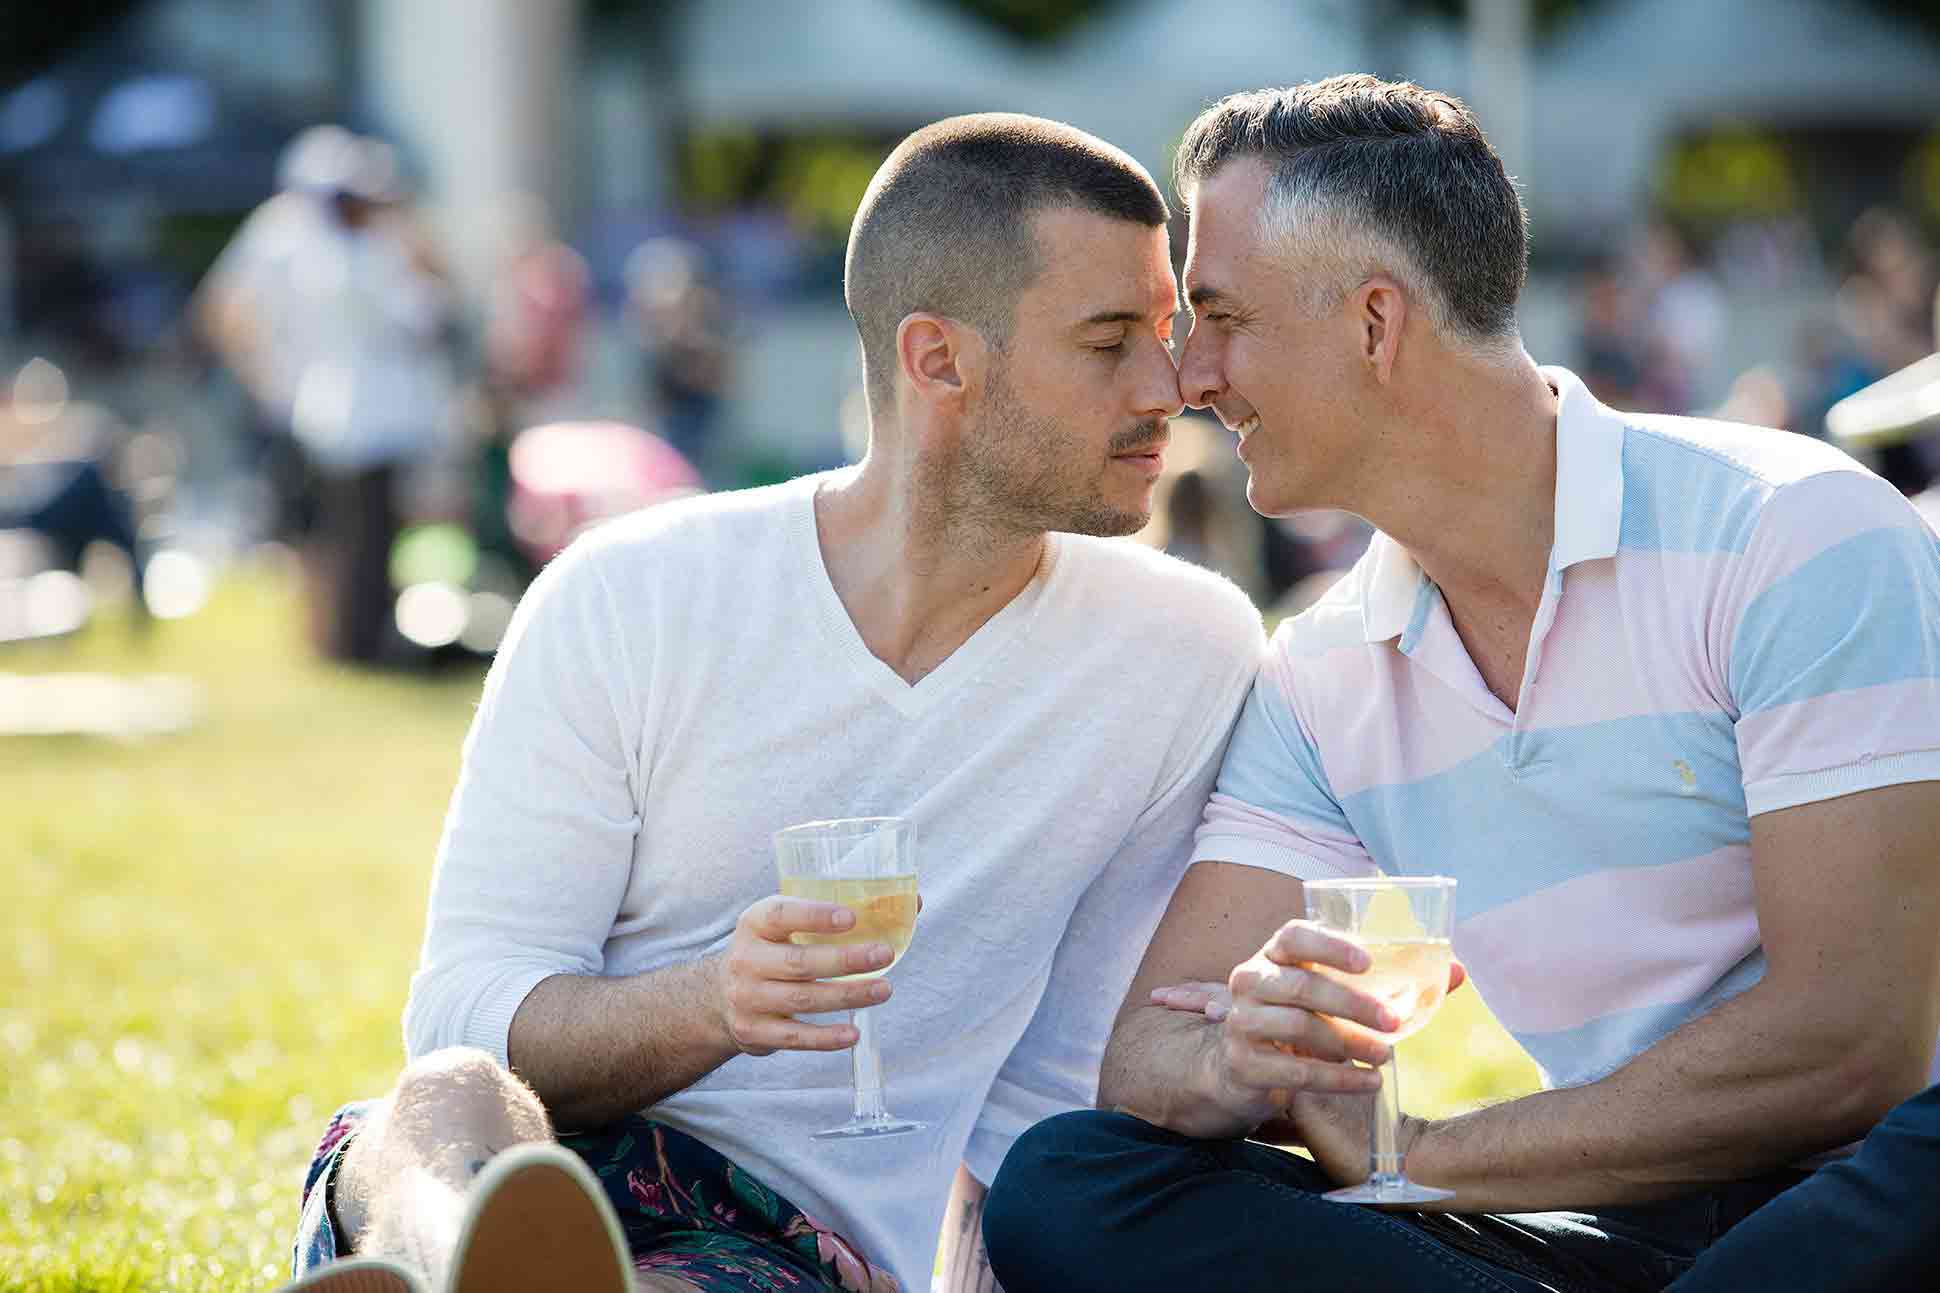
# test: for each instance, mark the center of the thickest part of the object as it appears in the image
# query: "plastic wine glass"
(1405, 923)
(868, 864)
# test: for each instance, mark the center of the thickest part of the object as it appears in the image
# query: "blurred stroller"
(457, 586)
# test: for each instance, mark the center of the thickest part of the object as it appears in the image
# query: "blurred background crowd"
(401, 295)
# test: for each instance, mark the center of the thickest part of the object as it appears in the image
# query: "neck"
(1475, 500)
(918, 566)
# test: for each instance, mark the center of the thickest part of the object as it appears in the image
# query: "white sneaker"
(537, 1220)
(357, 1275)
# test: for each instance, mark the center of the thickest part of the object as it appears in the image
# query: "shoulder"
(1320, 661)
(1138, 589)
(663, 558)
(725, 522)
(1691, 484)
(1771, 457)
(1336, 620)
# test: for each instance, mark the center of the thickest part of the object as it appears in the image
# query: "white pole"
(1498, 34)
(478, 91)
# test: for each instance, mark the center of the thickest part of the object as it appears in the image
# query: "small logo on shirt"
(1686, 778)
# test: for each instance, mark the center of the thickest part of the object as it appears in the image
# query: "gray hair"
(1366, 175)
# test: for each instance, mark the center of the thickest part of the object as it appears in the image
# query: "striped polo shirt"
(1735, 620)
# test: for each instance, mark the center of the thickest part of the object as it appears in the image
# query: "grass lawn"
(208, 938)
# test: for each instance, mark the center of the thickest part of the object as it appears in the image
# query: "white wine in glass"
(1405, 923)
(884, 907)
(868, 864)
(1409, 976)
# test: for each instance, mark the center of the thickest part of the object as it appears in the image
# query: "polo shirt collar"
(1391, 584)
(1589, 511)
(1589, 474)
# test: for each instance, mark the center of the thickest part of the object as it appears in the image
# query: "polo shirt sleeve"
(1272, 807)
(1834, 656)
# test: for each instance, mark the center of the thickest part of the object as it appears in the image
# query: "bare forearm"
(1160, 1066)
(1741, 1091)
(596, 1049)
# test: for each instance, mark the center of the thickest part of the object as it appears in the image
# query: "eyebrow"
(1203, 295)
(1113, 316)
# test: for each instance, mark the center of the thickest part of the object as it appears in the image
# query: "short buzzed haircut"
(946, 226)
(1361, 166)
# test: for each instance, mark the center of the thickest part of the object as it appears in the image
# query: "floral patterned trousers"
(687, 1212)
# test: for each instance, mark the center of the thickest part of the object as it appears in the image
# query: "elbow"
(1113, 1087)
(1868, 1078)
(422, 1018)
(437, 1011)
(1152, 1069)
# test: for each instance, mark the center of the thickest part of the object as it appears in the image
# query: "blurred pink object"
(567, 476)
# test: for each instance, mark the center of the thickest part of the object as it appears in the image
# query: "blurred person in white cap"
(337, 317)
(246, 310)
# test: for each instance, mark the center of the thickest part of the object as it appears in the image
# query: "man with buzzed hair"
(1661, 694)
(941, 632)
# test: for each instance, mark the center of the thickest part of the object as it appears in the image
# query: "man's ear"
(1380, 310)
(940, 358)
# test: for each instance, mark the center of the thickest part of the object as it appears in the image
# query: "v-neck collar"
(911, 700)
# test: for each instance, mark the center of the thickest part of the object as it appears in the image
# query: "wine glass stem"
(1385, 1155)
(868, 1069)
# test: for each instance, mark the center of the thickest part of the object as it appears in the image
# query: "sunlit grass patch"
(206, 945)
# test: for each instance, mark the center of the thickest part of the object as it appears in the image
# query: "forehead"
(1090, 263)
(1223, 240)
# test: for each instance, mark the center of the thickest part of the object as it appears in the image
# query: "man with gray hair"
(1662, 695)
(947, 632)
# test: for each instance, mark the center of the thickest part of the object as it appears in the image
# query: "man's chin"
(1267, 501)
(1107, 523)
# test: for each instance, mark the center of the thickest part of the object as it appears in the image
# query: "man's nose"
(1200, 380)
(1159, 392)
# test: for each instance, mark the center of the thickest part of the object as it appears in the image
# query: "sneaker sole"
(357, 1275)
(538, 1220)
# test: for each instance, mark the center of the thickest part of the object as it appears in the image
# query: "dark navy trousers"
(1105, 1201)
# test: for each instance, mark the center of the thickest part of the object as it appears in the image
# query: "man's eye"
(1112, 349)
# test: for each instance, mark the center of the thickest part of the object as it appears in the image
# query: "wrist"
(710, 990)
(1415, 1138)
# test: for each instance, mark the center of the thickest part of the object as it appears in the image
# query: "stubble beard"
(1018, 466)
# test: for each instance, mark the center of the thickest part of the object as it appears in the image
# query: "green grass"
(205, 942)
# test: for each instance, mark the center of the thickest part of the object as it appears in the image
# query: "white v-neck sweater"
(682, 683)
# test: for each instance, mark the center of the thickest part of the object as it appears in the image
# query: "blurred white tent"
(1135, 75)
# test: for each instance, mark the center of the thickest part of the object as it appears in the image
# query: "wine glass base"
(1394, 1192)
(869, 1129)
